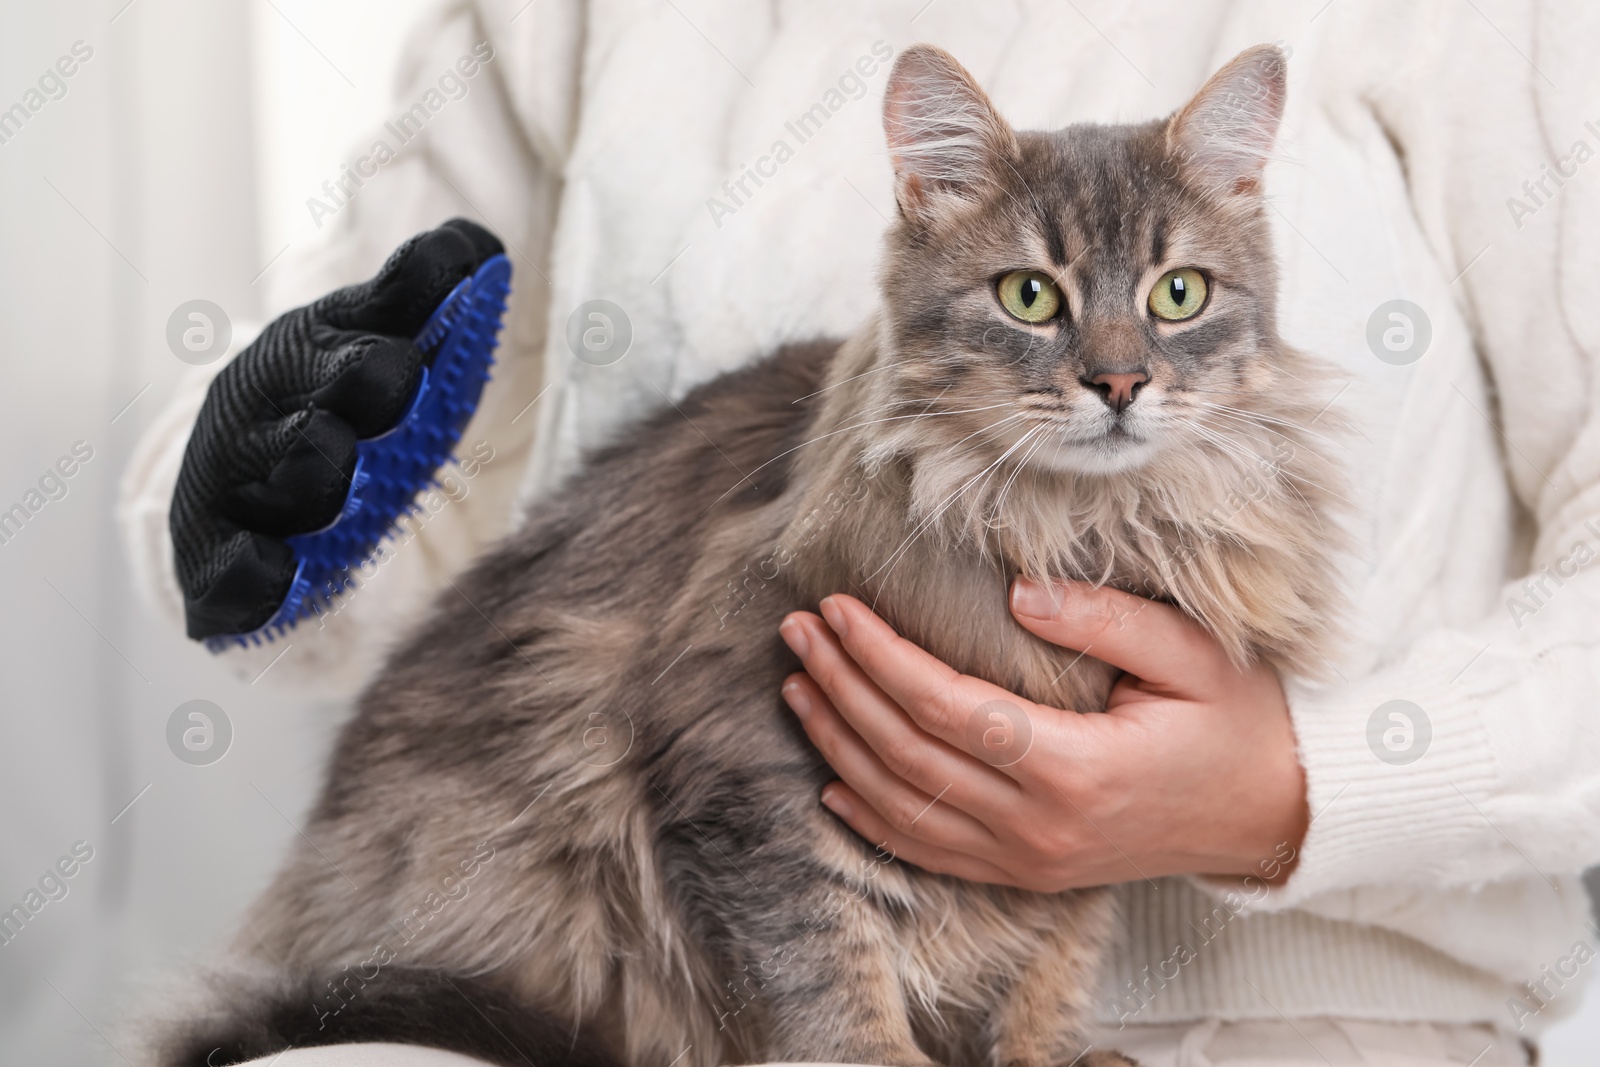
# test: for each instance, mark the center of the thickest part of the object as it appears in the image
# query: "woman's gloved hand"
(274, 447)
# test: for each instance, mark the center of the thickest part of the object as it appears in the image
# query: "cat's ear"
(945, 138)
(1222, 137)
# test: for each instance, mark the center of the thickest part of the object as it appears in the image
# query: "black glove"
(274, 447)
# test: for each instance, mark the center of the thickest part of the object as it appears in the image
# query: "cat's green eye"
(1179, 295)
(1029, 295)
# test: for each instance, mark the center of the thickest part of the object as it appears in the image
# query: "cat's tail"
(252, 1015)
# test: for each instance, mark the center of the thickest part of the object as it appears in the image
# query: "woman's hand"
(1191, 771)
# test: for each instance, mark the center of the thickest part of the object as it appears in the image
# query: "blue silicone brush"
(394, 467)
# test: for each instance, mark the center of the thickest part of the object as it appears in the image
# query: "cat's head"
(1091, 297)
(1077, 362)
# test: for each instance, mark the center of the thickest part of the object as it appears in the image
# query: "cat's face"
(1088, 298)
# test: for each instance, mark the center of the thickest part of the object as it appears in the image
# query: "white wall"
(129, 194)
(323, 77)
(180, 152)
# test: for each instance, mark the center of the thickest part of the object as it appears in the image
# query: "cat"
(571, 819)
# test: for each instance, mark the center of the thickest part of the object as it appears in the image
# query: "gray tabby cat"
(572, 819)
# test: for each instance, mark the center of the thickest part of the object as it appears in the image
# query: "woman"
(1358, 872)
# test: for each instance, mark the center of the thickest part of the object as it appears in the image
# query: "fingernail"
(836, 803)
(797, 698)
(835, 616)
(794, 635)
(1034, 600)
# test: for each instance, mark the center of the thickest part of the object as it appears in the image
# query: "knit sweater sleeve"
(1489, 772)
(493, 153)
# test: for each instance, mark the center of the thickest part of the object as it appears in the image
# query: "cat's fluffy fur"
(589, 720)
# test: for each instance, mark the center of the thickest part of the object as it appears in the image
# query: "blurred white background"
(175, 167)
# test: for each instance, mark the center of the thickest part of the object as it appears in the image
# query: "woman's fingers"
(1155, 642)
(937, 698)
(892, 729)
(872, 745)
(864, 820)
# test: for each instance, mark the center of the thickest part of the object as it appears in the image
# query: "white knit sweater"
(597, 143)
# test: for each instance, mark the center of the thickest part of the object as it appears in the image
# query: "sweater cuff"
(1398, 772)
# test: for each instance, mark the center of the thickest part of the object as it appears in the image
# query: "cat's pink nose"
(1118, 390)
